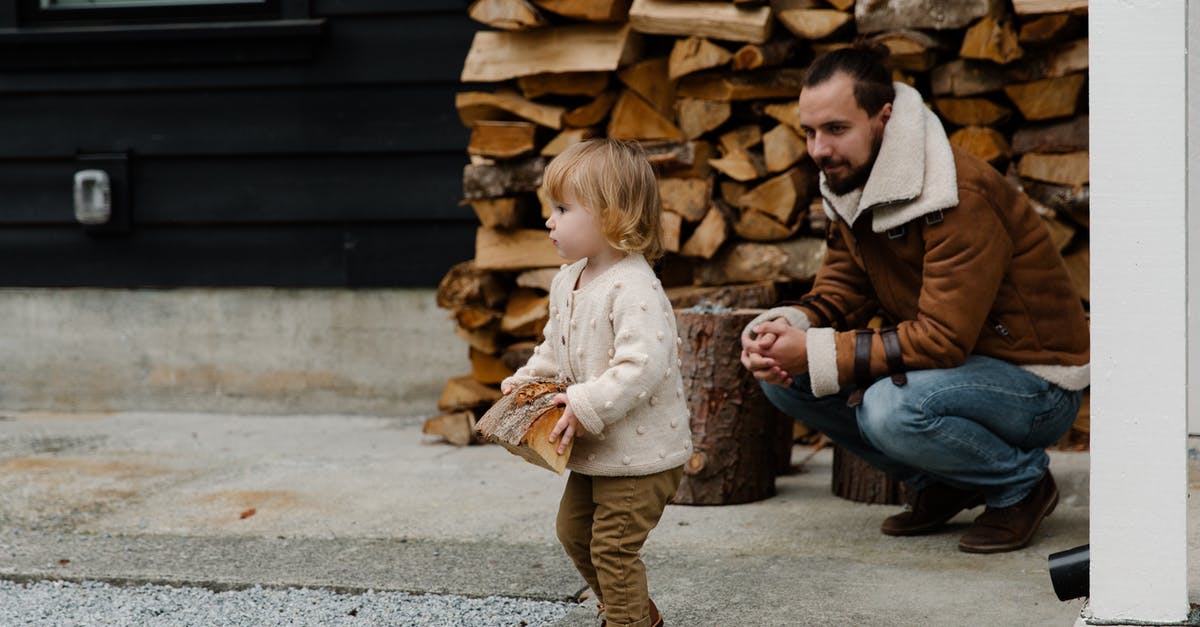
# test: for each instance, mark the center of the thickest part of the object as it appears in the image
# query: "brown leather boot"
(1000, 529)
(930, 509)
(656, 619)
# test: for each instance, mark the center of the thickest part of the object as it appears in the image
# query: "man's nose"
(819, 148)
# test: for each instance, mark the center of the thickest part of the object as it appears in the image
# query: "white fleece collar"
(914, 174)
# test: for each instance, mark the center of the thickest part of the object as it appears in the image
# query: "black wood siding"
(326, 160)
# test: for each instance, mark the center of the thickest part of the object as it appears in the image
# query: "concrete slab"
(355, 503)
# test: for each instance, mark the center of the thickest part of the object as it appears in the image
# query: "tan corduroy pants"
(602, 524)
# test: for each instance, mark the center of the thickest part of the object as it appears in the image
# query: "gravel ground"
(84, 604)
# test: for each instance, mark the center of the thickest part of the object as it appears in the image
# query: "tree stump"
(739, 440)
(856, 480)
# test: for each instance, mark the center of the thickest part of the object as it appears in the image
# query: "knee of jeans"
(883, 416)
(783, 396)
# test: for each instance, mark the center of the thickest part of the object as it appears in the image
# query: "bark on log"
(872, 17)
(855, 480)
(747, 296)
(502, 179)
(735, 431)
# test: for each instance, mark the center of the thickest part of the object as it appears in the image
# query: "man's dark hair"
(865, 64)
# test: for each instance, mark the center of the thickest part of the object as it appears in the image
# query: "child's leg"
(574, 526)
(627, 508)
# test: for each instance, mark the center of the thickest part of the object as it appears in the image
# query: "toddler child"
(611, 336)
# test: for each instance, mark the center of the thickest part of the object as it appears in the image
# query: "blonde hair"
(614, 179)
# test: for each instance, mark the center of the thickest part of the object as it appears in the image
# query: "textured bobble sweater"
(614, 341)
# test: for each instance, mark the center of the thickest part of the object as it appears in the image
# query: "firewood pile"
(709, 88)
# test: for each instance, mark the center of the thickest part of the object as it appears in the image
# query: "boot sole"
(1012, 546)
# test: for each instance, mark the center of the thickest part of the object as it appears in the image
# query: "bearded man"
(984, 351)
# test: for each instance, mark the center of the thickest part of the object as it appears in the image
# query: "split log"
(741, 139)
(488, 369)
(805, 255)
(732, 192)
(779, 196)
(687, 198)
(1062, 60)
(589, 84)
(526, 313)
(514, 250)
(743, 262)
(468, 284)
(737, 446)
(757, 226)
(474, 317)
(786, 113)
(589, 10)
(522, 420)
(909, 50)
(757, 85)
(538, 279)
(775, 52)
(687, 160)
(695, 54)
(1047, 28)
(1070, 169)
(1047, 98)
(651, 80)
(502, 140)
(1061, 231)
(741, 166)
(500, 55)
(991, 39)
(672, 228)
(758, 295)
(782, 148)
(674, 157)
(704, 19)
(517, 354)
(818, 221)
(983, 142)
(634, 118)
(965, 77)
(841, 5)
(971, 111)
(697, 117)
(1068, 136)
(707, 237)
(592, 113)
(476, 106)
(566, 139)
(466, 393)
(855, 480)
(457, 428)
(813, 24)
(484, 339)
(502, 213)
(502, 179)
(1066, 200)
(1027, 7)
(873, 17)
(506, 14)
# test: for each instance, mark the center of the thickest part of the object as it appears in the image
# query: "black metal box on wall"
(313, 143)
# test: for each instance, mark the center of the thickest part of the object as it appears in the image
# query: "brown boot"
(1000, 529)
(656, 619)
(930, 509)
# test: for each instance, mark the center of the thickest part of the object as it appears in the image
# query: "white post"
(1139, 312)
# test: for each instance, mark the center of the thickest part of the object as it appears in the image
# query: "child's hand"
(567, 426)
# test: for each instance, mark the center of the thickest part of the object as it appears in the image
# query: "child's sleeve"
(643, 354)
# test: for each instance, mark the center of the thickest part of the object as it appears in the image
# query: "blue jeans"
(981, 426)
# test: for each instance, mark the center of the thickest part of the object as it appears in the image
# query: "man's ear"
(885, 114)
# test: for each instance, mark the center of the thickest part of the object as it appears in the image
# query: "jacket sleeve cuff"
(822, 361)
(577, 396)
(794, 317)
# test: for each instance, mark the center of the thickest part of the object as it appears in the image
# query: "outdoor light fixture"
(1069, 572)
(93, 197)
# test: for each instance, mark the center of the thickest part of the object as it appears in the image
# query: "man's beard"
(857, 177)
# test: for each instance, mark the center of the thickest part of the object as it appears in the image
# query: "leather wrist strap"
(862, 365)
(891, 348)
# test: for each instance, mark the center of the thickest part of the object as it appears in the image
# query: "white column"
(1139, 312)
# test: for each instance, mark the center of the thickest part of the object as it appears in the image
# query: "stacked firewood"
(709, 88)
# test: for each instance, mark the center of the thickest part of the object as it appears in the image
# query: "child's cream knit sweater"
(615, 342)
